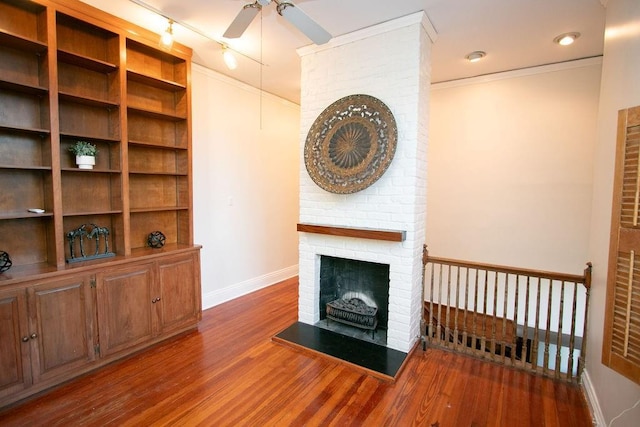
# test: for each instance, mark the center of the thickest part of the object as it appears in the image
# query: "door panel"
(15, 370)
(125, 318)
(61, 326)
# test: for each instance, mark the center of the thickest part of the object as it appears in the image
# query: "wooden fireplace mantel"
(362, 233)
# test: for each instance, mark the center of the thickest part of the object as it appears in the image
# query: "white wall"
(510, 167)
(620, 89)
(245, 178)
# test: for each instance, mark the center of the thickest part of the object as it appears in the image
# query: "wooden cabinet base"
(65, 324)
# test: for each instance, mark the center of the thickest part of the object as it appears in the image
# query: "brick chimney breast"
(391, 62)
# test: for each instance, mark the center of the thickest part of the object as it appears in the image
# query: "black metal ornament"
(5, 262)
(156, 239)
(94, 232)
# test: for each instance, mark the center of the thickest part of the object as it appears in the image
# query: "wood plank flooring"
(230, 373)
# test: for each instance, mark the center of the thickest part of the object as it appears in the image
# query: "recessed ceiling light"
(475, 56)
(566, 39)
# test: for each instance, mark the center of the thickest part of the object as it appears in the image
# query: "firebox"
(354, 298)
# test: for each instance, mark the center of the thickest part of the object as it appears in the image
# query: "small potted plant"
(85, 154)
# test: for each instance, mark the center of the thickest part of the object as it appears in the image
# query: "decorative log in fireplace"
(353, 312)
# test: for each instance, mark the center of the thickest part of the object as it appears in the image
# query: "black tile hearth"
(378, 359)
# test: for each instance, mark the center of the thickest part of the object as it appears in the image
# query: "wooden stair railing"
(529, 319)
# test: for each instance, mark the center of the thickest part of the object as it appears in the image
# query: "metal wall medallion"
(351, 144)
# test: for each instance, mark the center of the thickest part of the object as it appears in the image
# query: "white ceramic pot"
(85, 162)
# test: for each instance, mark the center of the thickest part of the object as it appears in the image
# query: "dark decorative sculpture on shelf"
(156, 239)
(91, 232)
(5, 262)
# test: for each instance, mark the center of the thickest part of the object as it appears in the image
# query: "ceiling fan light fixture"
(229, 58)
(566, 39)
(475, 56)
(166, 39)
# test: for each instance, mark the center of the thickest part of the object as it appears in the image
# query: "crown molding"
(522, 72)
(365, 33)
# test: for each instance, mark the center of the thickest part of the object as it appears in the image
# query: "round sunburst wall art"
(351, 144)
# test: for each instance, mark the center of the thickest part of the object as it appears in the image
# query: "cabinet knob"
(155, 300)
(158, 299)
(34, 336)
(25, 338)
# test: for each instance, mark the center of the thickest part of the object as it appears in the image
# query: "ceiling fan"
(287, 10)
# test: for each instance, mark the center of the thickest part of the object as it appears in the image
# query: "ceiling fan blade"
(242, 21)
(308, 26)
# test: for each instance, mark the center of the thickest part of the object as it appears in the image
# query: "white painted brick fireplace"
(391, 62)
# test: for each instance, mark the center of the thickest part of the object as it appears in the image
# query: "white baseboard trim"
(228, 293)
(592, 400)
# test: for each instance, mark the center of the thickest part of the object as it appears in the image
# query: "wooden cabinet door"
(180, 302)
(61, 326)
(125, 300)
(15, 370)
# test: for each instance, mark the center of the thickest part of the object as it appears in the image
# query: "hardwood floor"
(229, 373)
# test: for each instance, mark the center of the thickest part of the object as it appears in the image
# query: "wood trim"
(113, 23)
(565, 277)
(361, 233)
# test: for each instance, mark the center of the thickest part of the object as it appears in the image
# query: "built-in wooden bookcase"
(159, 162)
(89, 96)
(68, 73)
(123, 94)
(25, 135)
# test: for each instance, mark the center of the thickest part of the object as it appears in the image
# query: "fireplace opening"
(354, 298)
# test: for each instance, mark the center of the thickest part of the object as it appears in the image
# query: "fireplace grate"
(354, 312)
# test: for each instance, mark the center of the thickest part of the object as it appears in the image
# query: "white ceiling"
(514, 33)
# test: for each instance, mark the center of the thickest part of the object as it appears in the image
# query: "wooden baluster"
(558, 369)
(439, 318)
(547, 334)
(432, 332)
(535, 345)
(583, 347)
(456, 340)
(503, 345)
(514, 332)
(572, 338)
(474, 334)
(423, 319)
(465, 334)
(525, 337)
(493, 318)
(448, 307)
(483, 340)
